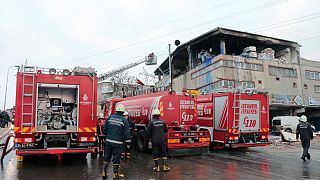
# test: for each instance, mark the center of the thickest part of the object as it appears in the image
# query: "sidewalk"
(4, 132)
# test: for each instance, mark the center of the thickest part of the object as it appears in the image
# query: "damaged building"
(224, 59)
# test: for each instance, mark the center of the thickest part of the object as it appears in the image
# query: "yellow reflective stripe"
(25, 129)
(161, 108)
(204, 139)
(16, 129)
(87, 129)
(173, 141)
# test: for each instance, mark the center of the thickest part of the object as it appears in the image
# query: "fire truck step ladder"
(236, 109)
(28, 92)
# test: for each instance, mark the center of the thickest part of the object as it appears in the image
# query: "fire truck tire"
(142, 141)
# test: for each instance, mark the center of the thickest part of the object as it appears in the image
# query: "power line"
(289, 20)
(309, 38)
(276, 27)
(150, 28)
(184, 29)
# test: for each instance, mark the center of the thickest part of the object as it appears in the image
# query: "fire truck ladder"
(28, 84)
(236, 109)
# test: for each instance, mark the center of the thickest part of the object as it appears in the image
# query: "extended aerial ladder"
(151, 59)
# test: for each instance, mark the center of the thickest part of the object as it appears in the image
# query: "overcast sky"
(106, 34)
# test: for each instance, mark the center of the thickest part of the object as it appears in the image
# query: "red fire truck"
(177, 110)
(235, 119)
(55, 111)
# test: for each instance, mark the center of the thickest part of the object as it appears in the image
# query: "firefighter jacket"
(305, 131)
(116, 130)
(157, 130)
(132, 127)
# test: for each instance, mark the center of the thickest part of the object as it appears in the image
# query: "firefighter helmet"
(126, 113)
(156, 112)
(303, 118)
(120, 108)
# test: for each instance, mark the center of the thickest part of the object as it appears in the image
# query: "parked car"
(286, 123)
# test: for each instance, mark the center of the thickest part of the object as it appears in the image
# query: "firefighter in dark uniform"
(117, 133)
(305, 131)
(101, 138)
(156, 131)
(133, 130)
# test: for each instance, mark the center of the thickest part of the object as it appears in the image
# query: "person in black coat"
(6, 118)
(156, 131)
(305, 131)
(133, 130)
(2, 123)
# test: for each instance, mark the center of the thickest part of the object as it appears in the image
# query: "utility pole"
(170, 77)
(177, 43)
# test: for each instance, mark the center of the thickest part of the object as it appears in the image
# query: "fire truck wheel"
(142, 140)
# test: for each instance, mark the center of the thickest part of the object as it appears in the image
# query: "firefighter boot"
(156, 167)
(105, 170)
(165, 164)
(116, 174)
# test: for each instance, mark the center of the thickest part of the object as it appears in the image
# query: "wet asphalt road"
(275, 162)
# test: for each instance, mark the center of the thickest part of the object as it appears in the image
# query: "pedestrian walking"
(304, 130)
(117, 132)
(156, 131)
(6, 118)
(133, 130)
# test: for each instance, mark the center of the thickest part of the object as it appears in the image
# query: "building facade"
(225, 59)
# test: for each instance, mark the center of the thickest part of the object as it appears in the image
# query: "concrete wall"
(285, 91)
(311, 97)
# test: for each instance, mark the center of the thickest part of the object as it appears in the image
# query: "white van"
(287, 123)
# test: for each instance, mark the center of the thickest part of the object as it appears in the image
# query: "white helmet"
(100, 116)
(126, 113)
(156, 112)
(303, 118)
(120, 108)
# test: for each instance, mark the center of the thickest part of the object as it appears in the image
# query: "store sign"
(314, 101)
(286, 99)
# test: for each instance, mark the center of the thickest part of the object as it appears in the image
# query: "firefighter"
(156, 131)
(101, 137)
(116, 130)
(133, 130)
(305, 131)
